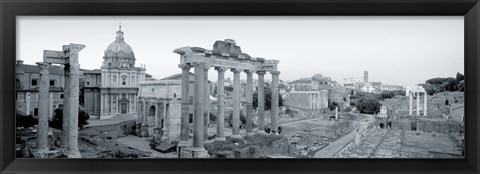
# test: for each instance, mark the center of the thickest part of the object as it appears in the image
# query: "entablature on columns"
(231, 60)
(158, 100)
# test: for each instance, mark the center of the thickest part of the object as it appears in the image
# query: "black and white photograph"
(240, 87)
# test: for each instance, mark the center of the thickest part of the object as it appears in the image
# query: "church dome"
(119, 54)
(119, 48)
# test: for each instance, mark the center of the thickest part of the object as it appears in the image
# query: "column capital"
(275, 72)
(44, 67)
(221, 69)
(198, 65)
(185, 66)
(234, 70)
(261, 73)
(73, 47)
(207, 67)
(249, 72)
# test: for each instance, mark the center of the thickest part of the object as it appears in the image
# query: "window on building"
(153, 89)
(88, 83)
(52, 82)
(114, 79)
(61, 96)
(174, 95)
(34, 82)
(124, 81)
(17, 83)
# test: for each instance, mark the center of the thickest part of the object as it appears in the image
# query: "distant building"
(27, 85)
(391, 88)
(314, 92)
(363, 84)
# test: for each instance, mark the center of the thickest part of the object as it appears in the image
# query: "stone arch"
(151, 112)
(35, 111)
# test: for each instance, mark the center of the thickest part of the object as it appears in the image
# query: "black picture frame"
(9, 9)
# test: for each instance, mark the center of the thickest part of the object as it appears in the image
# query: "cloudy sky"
(394, 50)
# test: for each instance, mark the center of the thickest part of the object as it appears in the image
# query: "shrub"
(368, 105)
(58, 119)
(25, 121)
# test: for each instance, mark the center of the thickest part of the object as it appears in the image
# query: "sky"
(395, 50)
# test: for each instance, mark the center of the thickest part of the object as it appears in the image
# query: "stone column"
(138, 125)
(410, 106)
(73, 151)
(117, 107)
(27, 99)
(66, 107)
(145, 119)
(157, 125)
(425, 104)
(206, 103)
(236, 103)
(43, 108)
(249, 101)
(110, 104)
(261, 100)
(336, 113)
(102, 104)
(165, 123)
(310, 101)
(274, 109)
(221, 103)
(185, 112)
(50, 110)
(139, 114)
(418, 103)
(198, 124)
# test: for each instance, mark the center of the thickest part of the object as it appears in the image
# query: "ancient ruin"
(417, 91)
(226, 55)
(69, 58)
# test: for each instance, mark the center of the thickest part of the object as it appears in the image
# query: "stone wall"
(426, 125)
(298, 100)
(113, 131)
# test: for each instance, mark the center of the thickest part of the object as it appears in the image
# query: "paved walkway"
(336, 146)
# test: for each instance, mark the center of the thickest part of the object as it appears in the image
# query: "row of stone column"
(202, 101)
(314, 97)
(418, 94)
(69, 134)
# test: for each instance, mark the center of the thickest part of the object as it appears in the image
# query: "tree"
(57, 119)
(441, 84)
(459, 77)
(267, 99)
(368, 105)
(429, 88)
(450, 84)
(387, 94)
(461, 85)
(228, 88)
(243, 120)
(332, 105)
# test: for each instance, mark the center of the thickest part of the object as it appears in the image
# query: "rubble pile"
(304, 146)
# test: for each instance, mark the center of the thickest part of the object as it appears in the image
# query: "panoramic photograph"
(240, 87)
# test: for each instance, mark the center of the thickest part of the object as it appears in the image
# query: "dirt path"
(336, 146)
